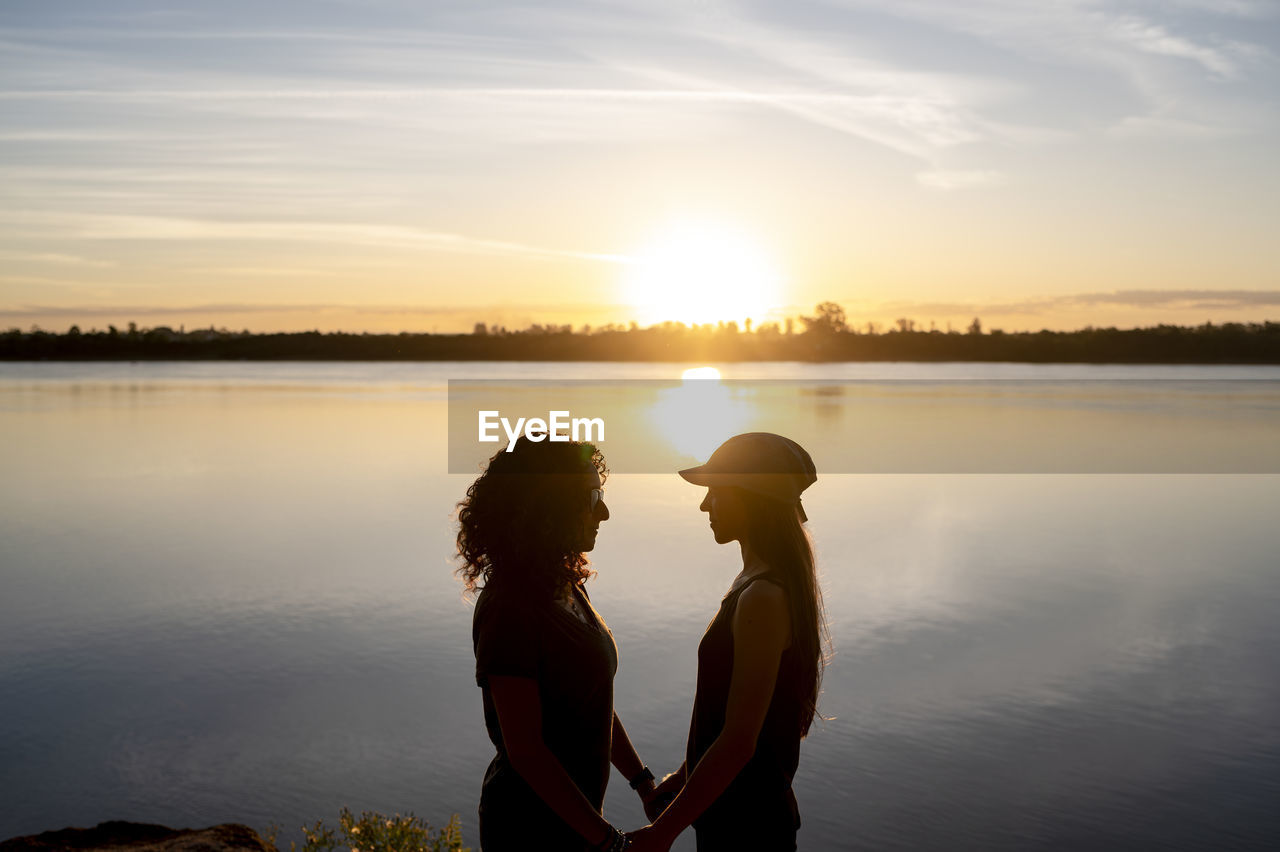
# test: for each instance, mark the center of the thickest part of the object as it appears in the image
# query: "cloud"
(1150, 55)
(49, 135)
(290, 271)
(91, 35)
(347, 317)
(816, 79)
(214, 308)
(410, 93)
(1152, 299)
(951, 179)
(1145, 126)
(108, 227)
(831, 83)
(40, 280)
(1251, 9)
(520, 84)
(1189, 300)
(53, 258)
(269, 308)
(1178, 298)
(1152, 38)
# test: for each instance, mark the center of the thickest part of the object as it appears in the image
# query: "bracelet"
(645, 774)
(614, 841)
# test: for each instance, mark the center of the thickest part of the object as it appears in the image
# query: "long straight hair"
(778, 537)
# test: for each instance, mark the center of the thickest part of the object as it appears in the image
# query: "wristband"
(640, 777)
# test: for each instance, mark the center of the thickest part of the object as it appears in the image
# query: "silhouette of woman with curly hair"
(545, 660)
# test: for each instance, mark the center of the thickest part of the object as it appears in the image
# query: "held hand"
(672, 783)
(657, 801)
(647, 840)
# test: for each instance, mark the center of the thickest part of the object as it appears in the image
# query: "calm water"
(227, 597)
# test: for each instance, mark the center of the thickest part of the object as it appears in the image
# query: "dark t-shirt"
(758, 804)
(573, 664)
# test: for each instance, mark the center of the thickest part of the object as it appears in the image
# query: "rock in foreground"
(140, 837)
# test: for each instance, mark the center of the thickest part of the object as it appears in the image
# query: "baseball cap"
(762, 463)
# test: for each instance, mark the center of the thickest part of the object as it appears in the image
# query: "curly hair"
(519, 525)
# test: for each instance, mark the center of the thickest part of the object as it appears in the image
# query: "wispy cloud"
(1155, 126)
(327, 315)
(1191, 300)
(40, 280)
(480, 311)
(410, 93)
(22, 36)
(1148, 37)
(209, 308)
(1177, 300)
(463, 131)
(948, 180)
(835, 87)
(1146, 53)
(57, 135)
(106, 227)
(815, 80)
(825, 78)
(53, 258)
(1248, 9)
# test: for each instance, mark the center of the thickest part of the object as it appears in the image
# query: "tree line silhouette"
(827, 335)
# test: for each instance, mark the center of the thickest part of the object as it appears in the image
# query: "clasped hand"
(647, 839)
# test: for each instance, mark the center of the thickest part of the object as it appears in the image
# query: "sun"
(700, 272)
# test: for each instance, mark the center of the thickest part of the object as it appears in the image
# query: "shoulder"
(762, 604)
(761, 623)
(766, 586)
(495, 607)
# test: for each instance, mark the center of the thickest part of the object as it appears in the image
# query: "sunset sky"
(388, 165)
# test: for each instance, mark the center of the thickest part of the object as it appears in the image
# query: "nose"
(706, 503)
(602, 511)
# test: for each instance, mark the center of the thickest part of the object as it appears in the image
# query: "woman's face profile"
(726, 512)
(593, 511)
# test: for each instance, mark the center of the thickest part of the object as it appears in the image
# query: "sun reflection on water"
(701, 413)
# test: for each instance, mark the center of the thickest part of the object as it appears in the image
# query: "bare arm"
(623, 755)
(520, 717)
(761, 632)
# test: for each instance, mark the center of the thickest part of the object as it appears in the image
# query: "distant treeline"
(823, 337)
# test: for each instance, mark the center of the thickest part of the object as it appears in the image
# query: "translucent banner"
(875, 426)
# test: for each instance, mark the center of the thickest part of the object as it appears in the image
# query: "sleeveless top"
(761, 792)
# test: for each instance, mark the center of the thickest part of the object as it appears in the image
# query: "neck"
(752, 564)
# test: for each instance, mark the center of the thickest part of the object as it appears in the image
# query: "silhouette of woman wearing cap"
(545, 660)
(759, 662)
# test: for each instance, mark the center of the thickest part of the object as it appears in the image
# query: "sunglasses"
(596, 497)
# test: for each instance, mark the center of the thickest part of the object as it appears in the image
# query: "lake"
(228, 596)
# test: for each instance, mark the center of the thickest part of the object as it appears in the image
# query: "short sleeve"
(505, 637)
